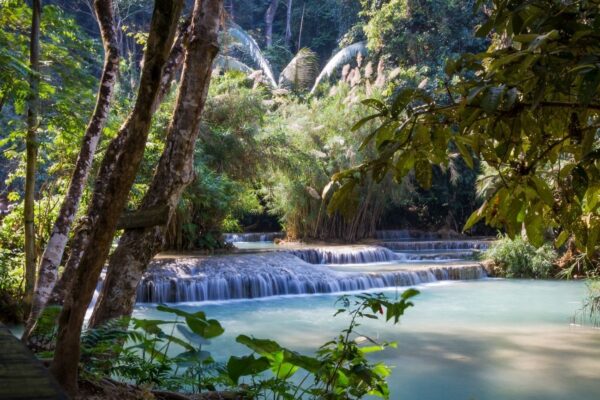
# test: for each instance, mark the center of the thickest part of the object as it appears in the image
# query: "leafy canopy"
(528, 108)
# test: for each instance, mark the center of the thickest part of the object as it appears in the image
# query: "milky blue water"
(489, 339)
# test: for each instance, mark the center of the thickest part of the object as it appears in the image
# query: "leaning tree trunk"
(48, 269)
(269, 17)
(169, 72)
(174, 172)
(288, 25)
(31, 144)
(115, 178)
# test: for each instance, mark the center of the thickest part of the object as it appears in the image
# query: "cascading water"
(437, 245)
(252, 237)
(272, 274)
(406, 234)
(378, 254)
(345, 255)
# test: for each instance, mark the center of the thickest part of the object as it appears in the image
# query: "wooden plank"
(22, 375)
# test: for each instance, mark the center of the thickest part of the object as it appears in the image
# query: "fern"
(301, 71)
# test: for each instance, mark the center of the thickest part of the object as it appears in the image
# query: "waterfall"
(375, 254)
(406, 234)
(272, 274)
(252, 237)
(437, 245)
(346, 255)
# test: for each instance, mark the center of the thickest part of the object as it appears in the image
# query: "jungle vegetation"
(163, 124)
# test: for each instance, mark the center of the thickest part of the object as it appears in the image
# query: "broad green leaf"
(561, 239)
(265, 347)
(543, 190)
(376, 104)
(534, 226)
(423, 173)
(246, 365)
(465, 153)
(371, 349)
(591, 198)
(475, 217)
(363, 121)
(206, 328)
(592, 237)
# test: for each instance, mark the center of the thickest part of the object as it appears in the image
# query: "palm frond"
(339, 59)
(251, 48)
(228, 63)
(301, 71)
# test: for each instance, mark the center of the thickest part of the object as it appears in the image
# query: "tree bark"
(269, 17)
(170, 70)
(48, 269)
(174, 172)
(115, 178)
(31, 144)
(301, 26)
(288, 25)
(173, 66)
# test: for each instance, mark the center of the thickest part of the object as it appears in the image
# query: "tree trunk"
(115, 178)
(174, 172)
(32, 151)
(174, 63)
(301, 26)
(48, 269)
(169, 72)
(269, 17)
(288, 25)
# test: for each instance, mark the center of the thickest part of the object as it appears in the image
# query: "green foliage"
(418, 32)
(228, 155)
(68, 66)
(142, 353)
(340, 369)
(516, 258)
(318, 138)
(527, 108)
(591, 305)
(12, 256)
(308, 142)
(211, 205)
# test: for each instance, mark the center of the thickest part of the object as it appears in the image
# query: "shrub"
(139, 351)
(516, 258)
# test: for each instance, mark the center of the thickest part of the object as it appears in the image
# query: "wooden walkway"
(22, 376)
